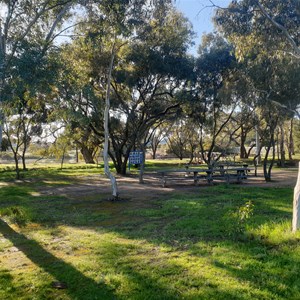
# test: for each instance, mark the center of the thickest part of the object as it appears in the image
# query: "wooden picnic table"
(239, 173)
(195, 172)
(209, 174)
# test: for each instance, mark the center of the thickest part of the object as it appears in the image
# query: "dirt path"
(280, 178)
(152, 189)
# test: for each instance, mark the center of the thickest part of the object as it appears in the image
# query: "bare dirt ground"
(280, 178)
(129, 186)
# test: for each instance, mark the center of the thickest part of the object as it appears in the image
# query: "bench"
(195, 176)
(209, 174)
(238, 174)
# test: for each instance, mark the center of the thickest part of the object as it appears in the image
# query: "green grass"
(182, 245)
(50, 174)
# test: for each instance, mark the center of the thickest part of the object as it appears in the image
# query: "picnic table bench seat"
(237, 174)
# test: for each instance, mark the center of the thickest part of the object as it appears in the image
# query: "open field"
(60, 238)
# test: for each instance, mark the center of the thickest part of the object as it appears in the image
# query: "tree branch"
(291, 41)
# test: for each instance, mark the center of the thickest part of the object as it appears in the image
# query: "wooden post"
(142, 164)
(296, 204)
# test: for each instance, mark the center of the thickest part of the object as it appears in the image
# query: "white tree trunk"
(296, 204)
(257, 142)
(0, 135)
(106, 130)
(142, 165)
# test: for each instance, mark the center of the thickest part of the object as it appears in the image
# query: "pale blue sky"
(200, 14)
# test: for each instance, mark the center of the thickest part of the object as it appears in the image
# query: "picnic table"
(238, 174)
(195, 172)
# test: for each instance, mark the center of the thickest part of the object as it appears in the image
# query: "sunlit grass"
(50, 174)
(182, 246)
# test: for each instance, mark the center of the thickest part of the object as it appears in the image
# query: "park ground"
(62, 238)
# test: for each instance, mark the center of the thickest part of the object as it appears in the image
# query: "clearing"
(60, 238)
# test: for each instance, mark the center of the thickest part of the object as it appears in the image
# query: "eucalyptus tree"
(26, 108)
(75, 103)
(178, 140)
(27, 27)
(276, 85)
(212, 103)
(246, 116)
(290, 140)
(16, 129)
(262, 48)
(157, 135)
(286, 93)
(287, 22)
(150, 65)
(22, 120)
(183, 139)
(272, 24)
(146, 92)
(246, 120)
(108, 27)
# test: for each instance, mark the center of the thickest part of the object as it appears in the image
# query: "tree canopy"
(243, 82)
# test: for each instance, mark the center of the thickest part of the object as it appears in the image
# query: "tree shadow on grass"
(182, 224)
(6, 283)
(269, 266)
(160, 275)
(143, 284)
(174, 222)
(78, 286)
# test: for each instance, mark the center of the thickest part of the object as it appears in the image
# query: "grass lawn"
(217, 242)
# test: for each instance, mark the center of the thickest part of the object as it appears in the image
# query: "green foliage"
(149, 45)
(250, 29)
(15, 214)
(238, 220)
(245, 212)
(27, 33)
(267, 67)
(4, 144)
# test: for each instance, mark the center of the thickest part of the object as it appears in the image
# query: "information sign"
(135, 157)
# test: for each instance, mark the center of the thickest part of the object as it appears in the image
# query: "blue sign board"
(136, 157)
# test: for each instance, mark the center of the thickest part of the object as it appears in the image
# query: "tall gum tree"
(148, 70)
(82, 108)
(210, 106)
(274, 23)
(271, 26)
(111, 26)
(27, 23)
(263, 50)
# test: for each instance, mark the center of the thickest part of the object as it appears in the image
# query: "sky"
(200, 13)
